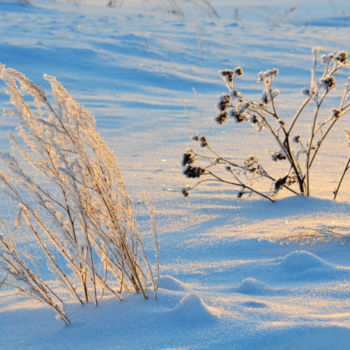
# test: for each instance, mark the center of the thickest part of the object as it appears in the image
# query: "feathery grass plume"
(295, 172)
(71, 196)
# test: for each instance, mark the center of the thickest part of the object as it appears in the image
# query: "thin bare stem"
(347, 166)
(242, 185)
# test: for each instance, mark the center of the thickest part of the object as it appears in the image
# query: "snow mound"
(251, 286)
(301, 260)
(171, 283)
(193, 308)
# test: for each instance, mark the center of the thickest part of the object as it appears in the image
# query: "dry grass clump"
(296, 153)
(71, 197)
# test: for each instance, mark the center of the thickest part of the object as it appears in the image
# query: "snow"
(236, 274)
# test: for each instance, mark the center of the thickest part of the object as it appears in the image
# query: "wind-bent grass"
(71, 197)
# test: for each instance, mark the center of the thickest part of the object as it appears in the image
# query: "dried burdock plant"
(298, 152)
(71, 198)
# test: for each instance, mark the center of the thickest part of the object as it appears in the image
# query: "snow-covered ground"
(151, 80)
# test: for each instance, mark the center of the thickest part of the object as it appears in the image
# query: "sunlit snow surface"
(151, 80)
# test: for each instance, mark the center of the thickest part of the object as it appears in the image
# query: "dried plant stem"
(347, 166)
(287, 151)
(217, 159)
(241, 185)
(311, 140)
(264, 114)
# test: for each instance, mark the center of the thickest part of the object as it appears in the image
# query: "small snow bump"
(193, 308)
(301, 260)
(251, 286)
(171, 283)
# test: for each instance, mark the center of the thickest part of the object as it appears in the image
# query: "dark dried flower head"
(328, 82)
(227, 75)
(221, 106)
(193, 172)
(223, 102)
(221, 118)
(240, 194)
(251, 163)
(342, 56)
(240, 118)
(202, 139)
(226, 72)
(278, 156)
(254, 119)
(204, 142)
(236, 95)
(237, 116)
(280, 182)
(239, 71)
(185, 192)
(296, 139)
(306, 92)
(336, 113)
(264, 98)
(225, 98)
(188, 158)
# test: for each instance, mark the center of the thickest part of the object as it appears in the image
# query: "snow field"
(228, 281)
